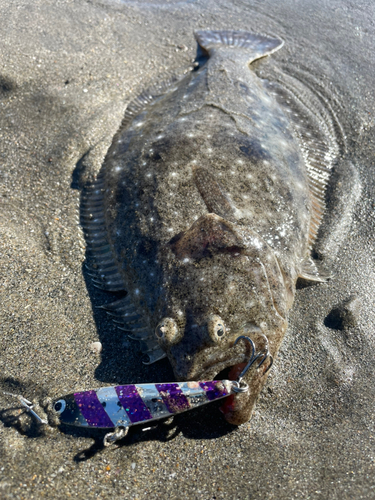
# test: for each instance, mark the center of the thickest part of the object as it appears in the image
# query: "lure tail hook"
(28, 406)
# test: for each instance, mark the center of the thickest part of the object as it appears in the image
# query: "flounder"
(206, 210)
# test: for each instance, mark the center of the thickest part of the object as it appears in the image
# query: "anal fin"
(315, 129)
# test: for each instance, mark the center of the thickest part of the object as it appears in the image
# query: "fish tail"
(255, 45)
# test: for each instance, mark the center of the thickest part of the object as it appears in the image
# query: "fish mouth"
(229, 367)
(211, 362)
(216, 365)
(212, 372)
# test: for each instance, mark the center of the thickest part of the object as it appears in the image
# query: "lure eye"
(216, 328)
(59, 406)
(168, 331)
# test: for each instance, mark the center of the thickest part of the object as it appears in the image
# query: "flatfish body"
(205, 211)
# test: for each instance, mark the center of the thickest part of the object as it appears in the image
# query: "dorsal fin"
(103, 265)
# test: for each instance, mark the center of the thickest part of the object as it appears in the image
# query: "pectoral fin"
(213, 194)
(310, 272)
(210, 234)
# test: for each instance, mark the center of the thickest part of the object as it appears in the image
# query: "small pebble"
(96, 347)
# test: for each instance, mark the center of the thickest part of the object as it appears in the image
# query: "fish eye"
(216, 328)
(160, 330)
(220, 330)
(168, 331)
(59, 406)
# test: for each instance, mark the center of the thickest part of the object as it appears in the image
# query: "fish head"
(224, 282)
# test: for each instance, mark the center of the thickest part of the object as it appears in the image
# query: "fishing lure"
(122, 406)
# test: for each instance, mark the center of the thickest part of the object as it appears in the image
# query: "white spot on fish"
(257, 243)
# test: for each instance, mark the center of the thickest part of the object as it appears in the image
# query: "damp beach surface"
(67, 72)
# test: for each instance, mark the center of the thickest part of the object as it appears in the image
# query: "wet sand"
(67, 71)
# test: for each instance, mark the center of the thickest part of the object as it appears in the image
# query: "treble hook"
(28, 406)
(264, 354)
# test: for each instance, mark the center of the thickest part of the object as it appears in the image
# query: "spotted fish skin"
(206, 203)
